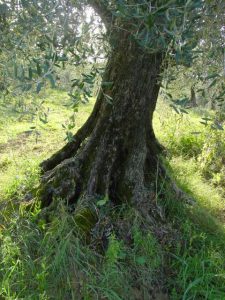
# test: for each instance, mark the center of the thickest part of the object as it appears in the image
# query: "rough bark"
(115, 152)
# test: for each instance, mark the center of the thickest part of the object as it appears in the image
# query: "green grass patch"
(25, 141)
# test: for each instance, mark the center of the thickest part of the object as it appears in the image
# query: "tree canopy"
(39, 37)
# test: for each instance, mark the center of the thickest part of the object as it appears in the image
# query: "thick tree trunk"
(115, 152)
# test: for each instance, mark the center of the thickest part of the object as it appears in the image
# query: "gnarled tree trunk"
(115, 152)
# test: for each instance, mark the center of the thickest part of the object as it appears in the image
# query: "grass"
(57, 260)
(23, 148)
(198, 260)
(54, 263)
(184, 154)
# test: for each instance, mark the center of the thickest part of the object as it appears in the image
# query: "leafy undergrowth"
(63, 259)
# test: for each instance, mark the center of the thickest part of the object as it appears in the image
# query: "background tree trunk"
(193, 99)
(115, 152)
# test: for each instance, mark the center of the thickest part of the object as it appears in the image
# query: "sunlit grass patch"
(25, 142)
(185, 138)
